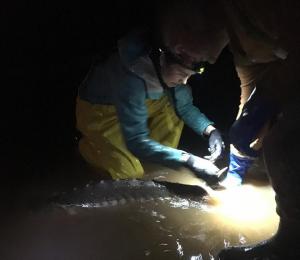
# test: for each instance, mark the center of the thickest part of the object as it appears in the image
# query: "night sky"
(48, 47)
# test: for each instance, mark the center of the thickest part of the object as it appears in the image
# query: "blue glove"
(216, 146)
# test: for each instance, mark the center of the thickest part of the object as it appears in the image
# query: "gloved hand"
(203, 168)
(216, 146)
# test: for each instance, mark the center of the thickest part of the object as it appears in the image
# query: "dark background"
(47, 50)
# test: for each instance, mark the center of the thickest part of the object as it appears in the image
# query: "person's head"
(193, 30)
(172, 72)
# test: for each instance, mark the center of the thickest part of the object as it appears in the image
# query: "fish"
(115, 192)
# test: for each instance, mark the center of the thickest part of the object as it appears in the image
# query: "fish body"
(116, 192)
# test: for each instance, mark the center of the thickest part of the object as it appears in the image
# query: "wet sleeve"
(190, 114)
(133, 116)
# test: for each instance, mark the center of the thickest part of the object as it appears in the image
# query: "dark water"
(173, 228)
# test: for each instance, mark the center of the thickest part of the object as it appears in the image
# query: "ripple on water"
(165, 228)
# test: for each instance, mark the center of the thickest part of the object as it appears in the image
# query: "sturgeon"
(116, 192)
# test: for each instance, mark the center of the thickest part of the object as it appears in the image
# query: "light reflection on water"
(172, 228)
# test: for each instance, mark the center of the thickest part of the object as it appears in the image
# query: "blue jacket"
(126, 80)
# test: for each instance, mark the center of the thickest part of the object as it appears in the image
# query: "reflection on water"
(172, 228)
(245, 206)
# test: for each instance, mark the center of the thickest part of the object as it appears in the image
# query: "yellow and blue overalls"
(125, 115)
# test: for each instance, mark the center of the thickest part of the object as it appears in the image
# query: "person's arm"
(247, 76)
(190, 114)
(253, 76)
(133, 116)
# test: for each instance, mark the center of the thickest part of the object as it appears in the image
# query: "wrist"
(191, 161)
(185, 157)
(208, 130)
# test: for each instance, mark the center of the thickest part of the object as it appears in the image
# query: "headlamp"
(171, 57)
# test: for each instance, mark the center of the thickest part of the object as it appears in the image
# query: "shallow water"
(173, 228)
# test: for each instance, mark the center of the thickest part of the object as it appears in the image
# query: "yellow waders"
(102, 144)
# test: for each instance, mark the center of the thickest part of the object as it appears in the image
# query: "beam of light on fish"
(245, 205)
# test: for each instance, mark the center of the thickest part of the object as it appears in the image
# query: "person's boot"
(238, 167)
(282, 246)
